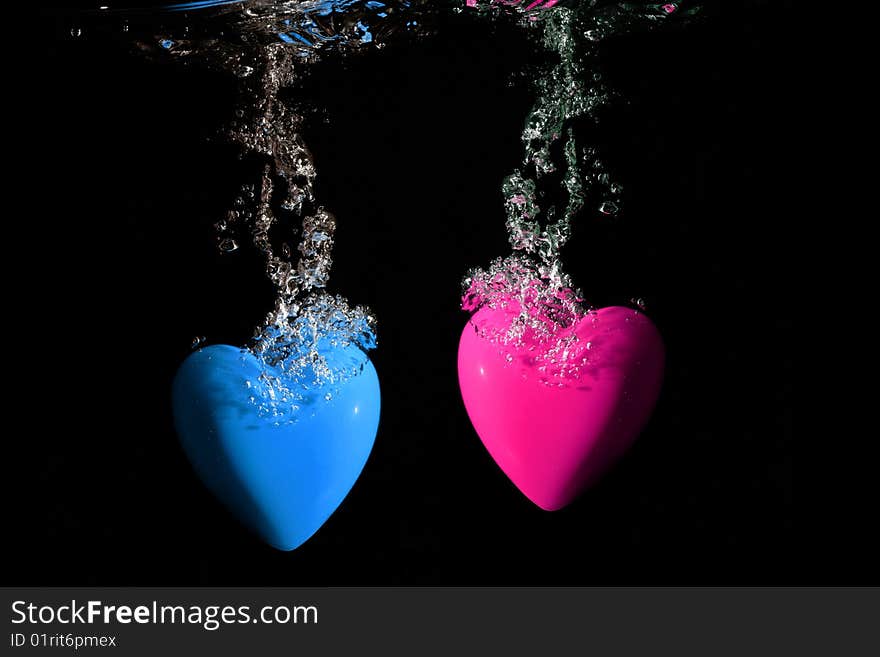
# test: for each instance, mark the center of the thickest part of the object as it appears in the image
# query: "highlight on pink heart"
(555, 412)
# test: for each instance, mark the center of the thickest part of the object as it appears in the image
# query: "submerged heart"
(283, 480)
(553, 439)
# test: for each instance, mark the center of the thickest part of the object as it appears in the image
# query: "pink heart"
(555, 440)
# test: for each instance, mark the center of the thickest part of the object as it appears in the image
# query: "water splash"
(559, 177)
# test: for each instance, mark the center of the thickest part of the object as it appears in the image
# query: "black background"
(119, 272)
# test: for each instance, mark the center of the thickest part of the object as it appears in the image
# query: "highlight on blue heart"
(281, 478)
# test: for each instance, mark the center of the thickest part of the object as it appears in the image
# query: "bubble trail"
(269, 46)
(560, 176)
(306, 320)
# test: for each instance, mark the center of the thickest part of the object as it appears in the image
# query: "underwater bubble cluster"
(269, 45)
(530, 285)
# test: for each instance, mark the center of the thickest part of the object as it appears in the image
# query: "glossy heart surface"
(281, 479)
(554, 439)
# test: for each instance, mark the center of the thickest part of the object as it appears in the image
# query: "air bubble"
(228, 245)
(609, 208)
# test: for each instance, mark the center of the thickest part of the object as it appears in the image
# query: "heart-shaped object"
(554, 441)
(283, 480)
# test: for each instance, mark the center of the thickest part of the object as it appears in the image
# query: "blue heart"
(281, 480)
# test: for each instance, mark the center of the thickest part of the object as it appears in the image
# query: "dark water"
(125, 180)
